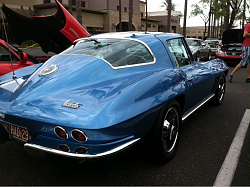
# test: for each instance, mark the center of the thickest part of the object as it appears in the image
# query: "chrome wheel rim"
(170, 129)
(221, 89)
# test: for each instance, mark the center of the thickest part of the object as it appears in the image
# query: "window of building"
(125, 9)
(149, 25)
(142, 25)
(60, 1)
(74, 2)
(46, 1)
(118, 7)
(142, 14)
(83, 4)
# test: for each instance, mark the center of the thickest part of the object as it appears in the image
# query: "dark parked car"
(230, 50)
(107, 93)
(199, 49)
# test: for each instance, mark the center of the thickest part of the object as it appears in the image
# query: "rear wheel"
(220, 92)
(166, 132)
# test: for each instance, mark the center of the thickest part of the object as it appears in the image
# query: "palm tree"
(70, 6)
(130, 15)
(120, 16)
(185, 18)
(78, 11)
(165, 5)
(169, 15)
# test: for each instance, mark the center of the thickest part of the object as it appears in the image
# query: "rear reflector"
(81, 150)
(61, 133)
(79, 135)
(64, 148)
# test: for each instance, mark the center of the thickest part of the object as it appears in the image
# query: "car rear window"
(117, 52)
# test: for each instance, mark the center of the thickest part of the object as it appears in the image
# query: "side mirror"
(24, 57)
(203, 44)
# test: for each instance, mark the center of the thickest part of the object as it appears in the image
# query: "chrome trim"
(80, 132)
(80, 156)
(64, 145)
(184, 117)
(48, 70)
(63, 130)
(81, 147)
(72, 105)
(120, 67)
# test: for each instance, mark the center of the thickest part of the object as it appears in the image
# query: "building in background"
(95, 15)
(162, 16)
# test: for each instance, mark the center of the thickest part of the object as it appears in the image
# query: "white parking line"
(227, 170)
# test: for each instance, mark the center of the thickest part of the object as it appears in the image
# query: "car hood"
(231, 36)
(53, 33)
(88, 81)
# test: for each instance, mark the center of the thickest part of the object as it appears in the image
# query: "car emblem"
(48, 70)
(233, 53)
(72, 105)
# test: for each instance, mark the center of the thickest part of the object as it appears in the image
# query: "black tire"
(165, 133)
(220, 91)
(198, 56)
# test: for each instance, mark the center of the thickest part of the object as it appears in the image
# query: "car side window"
(179, 52)
(5, 55)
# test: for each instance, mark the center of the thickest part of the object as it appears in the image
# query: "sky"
(154, 5)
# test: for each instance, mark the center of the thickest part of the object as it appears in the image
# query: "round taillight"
(64, 148)
(79, 135)
(61, 133)
(81, 150)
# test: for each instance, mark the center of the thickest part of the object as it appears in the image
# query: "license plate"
(21, 133)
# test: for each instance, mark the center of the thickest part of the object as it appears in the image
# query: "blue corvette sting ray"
(106, 93)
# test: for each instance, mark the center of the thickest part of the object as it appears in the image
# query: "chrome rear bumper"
(29, 147)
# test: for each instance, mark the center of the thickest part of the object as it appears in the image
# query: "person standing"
(245, 55)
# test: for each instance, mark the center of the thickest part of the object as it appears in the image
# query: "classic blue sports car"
(107, 93)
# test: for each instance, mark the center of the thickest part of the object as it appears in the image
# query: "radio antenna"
(14, 75)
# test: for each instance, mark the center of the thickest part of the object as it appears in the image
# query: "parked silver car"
(199, 49)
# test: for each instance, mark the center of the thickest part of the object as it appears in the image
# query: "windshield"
(193, 42)
(18, 51)
(118, 52)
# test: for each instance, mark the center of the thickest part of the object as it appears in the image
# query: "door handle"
(191, 79)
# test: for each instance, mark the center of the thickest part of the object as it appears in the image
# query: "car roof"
(131, 35)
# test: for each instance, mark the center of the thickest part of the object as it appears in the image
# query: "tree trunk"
(70, 6)
(130, 21)
(244, 14)
(120, 16)
(78, 11)
(185, 18)
(169, 16)
(226, 21)
(146, 15)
